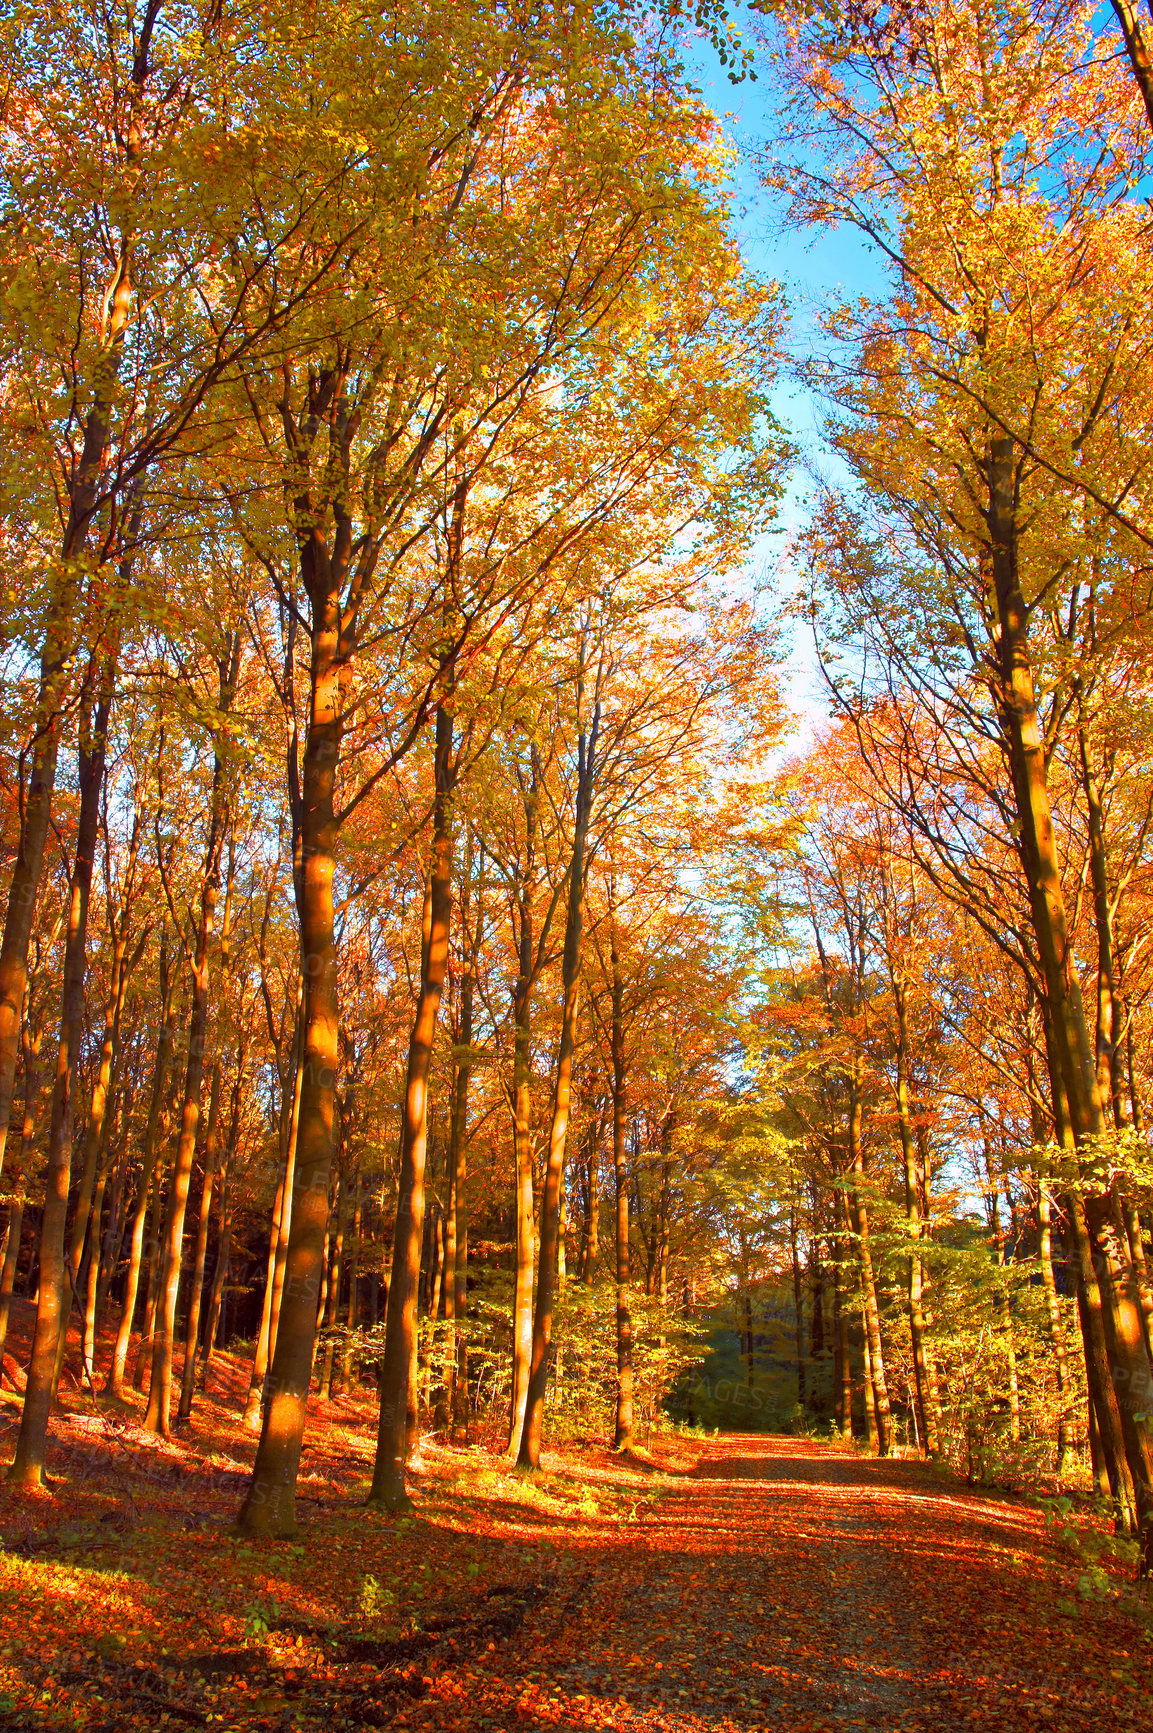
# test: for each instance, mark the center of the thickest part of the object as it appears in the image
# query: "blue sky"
(813, 268)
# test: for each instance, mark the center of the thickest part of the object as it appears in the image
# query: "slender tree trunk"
(200, 1255)
(88, 1339)
(1056, 1324)
(874, 1358)
(1108, 1048)
(459, 1159)
(623, 1436)
(95, 1141)
(143, 1367)
(284, 1223)
(30, 1043)
(928, 1419)
(388, 1486)
(11, 1255)
(591, 1248)
(522, 1139)
(353, 1286)
(54, 1299)
(157, 1415)
(278, 1232)
(224, 1240)
(334, 1280)
(842, 1360)
(798, 1304)
(456, 1240)
(868, 1389)
(529, 1454)
(219, 1278)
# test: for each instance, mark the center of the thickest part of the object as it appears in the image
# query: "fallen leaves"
(738, 1584)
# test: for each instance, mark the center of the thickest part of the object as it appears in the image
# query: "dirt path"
(736, 1584)
(791, 1586)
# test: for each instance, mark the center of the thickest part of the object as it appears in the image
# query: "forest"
(576, 978)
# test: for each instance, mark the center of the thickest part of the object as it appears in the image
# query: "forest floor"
(714, 1584)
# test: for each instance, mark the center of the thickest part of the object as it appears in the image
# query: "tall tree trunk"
(1129, 1371)
(157, 1414)
(353, 1286)
(798, 1303)
(219, 1277)
(1108, 1047)
(224, 1240)
(842, 1359)
(269, 1506)
(335, 1278)
(530, 1441)
(869, 1389)
(460, 1176)
(54, 1299)
(388, 1486)
(88, 1338)
(925, 1408)
(1056, 1324)
(30, 1045)
(874, 1358)
(278, 1231)
(284, 1221)
(200, 1254)
(456, 1237)
(623, 1436)
(522, 1131)
(590, 1249)
(95, 1140)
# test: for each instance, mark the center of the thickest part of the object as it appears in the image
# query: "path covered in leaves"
(789, 1586)
(725, 1585)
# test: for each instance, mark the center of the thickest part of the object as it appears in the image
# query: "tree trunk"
(874, 1358)
(529, 1452)
(388, 1486)
(459, 1158)
(219, 1278)
(200, 1255)
(929, 1424)
(353, 1287)
(334, 1280)
(455, 1414)
(278, 1232)
(590, 1250)
(1129, 1372)
(30, 1044)
(798, 1304)
(95, 1141)
(270, 1504)
(157, 1415)
(869, 1390)
(623, 1436)
(522, 1135)
(1056, 1324)
(54, 1299)
(842, 1360)
(284, 1223)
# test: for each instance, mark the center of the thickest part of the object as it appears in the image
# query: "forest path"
(788, 1585)
(743, 1584)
